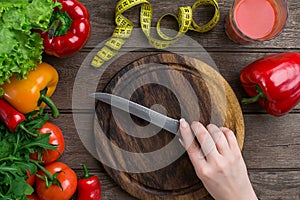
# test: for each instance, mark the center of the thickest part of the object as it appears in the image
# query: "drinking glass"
(256, 20)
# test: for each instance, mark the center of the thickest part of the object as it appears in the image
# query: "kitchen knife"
(138, 110)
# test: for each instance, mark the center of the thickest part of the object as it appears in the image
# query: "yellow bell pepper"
(34, 92)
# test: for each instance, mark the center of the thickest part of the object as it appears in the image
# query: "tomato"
(56, 138)
(30, 178)
(32, 197)
(67, 178)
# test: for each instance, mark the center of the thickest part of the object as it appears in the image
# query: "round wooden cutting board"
(179, 87)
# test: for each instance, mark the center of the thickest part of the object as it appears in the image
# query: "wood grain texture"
(271, 145)
(273, 184)
(265, 146)
(270, 154)
(229, 65)
(103, 25)
(167, 80)
(268, 184)
(268, 148)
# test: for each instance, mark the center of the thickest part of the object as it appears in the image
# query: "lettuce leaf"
(21, 47)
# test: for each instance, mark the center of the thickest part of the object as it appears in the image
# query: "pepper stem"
(60, 23)
(260, 95)
(48, 101)
(53, 27)
(85, 171)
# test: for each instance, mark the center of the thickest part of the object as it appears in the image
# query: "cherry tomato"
(56, 138)
(67, 178)
(32, 197)
(30, 178)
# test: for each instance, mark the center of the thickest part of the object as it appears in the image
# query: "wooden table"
(272, 145)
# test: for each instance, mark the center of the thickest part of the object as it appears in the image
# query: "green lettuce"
(21, 47)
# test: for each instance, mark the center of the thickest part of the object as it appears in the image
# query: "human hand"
(218, 162)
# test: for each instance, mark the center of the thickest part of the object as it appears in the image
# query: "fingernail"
(183, 123)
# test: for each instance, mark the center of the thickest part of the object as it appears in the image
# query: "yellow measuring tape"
(124, 27)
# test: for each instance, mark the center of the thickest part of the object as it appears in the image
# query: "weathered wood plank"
(269, 142)
(273, 184)
(271, 145)
(268, 184)
(102, 20)
(228, 64)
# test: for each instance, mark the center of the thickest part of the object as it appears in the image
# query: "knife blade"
(156, 118)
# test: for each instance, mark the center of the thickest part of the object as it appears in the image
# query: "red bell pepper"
(69, 29)
(273, 81)
(89, 187)
(12, 118)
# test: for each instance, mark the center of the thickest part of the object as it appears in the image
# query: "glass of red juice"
(256, 20)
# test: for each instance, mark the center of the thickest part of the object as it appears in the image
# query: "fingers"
(219, 138)
(213, 141)
(231, 139)
(191, 145)
(206, 142)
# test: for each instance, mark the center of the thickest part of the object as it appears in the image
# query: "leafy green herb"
(15, 149)
(21, 47)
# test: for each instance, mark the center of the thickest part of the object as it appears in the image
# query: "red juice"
(255, 18)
